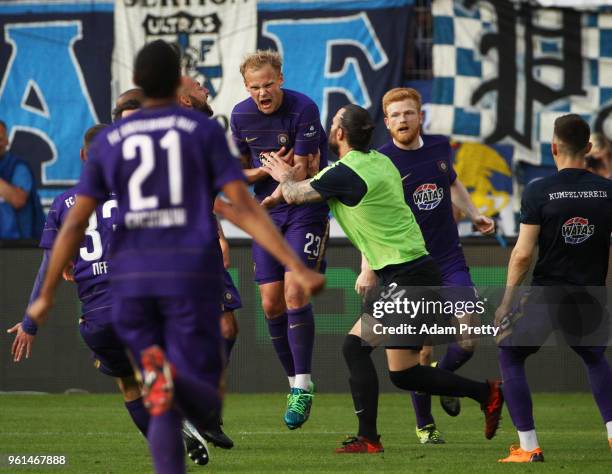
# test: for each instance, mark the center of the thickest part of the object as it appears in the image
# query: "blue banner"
(55, 65)
(339, 52)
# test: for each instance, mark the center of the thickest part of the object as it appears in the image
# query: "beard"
(333, 147)
(202, 106)
(403, 138)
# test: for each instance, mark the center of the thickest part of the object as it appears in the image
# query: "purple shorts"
(231, 297)
(186, 327)
(457, 283)
(108, 351)
(456, 274)
(308, 240)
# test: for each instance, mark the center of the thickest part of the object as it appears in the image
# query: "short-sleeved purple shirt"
(91, 264)
(427, 174)
(166, 166)
(296, 124)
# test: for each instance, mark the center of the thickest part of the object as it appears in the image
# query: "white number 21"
(171, 142)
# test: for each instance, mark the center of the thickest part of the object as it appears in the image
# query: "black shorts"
(418, 281)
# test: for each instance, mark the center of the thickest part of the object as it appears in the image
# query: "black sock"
(439, 382)
(364, 384)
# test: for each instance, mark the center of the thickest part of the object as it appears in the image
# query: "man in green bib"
(364, 192)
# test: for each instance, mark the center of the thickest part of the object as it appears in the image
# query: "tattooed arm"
(294, 192)
(299, 192)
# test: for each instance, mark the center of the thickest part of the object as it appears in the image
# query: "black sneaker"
(195, 445)
(217, 437)
(451, 405)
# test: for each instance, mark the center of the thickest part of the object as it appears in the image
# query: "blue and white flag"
(54, 82)
(213, 38)
(503, 71)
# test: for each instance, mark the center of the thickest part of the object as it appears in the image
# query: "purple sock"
(139, 415)
(301, 333)
(516, 390)
(422, 408)
(166, 443)
(199, 400)
(600, 378)
(229, 345)
(277, 328)
(455, 357)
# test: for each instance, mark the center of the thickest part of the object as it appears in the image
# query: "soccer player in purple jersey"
(431, 188)
(90, 272)
(166, 164)
(127, 103)
(277, 119)
(192, 95)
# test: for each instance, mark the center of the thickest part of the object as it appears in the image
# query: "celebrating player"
(431, 188)
(127, 103)
(364, 191)
(90, 272)
(166, 164)
(569, 216)
(274, 119)
(192, 95)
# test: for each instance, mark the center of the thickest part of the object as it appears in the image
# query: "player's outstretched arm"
(65, 247)
(22, 344)
(520, 262)
(462, 200)
(247, 214)
(25, 331)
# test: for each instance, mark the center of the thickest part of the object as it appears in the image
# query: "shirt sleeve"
(92, 181)
(241, 144)
(225, 166)
(308, 131)
(52, 225)
(530, 205)
(452, 174)
(340, 182)
(22, 178)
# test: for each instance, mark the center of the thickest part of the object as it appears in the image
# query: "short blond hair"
(259, 59)
(399, 94)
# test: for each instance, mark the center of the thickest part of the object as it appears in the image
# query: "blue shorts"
(231, 297)
(308, 240)
(107, 349)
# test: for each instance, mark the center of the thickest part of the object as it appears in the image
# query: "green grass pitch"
(96, 434)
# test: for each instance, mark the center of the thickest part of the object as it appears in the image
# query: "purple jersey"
(166, 165)
(427, 174)
(90, 265)
(296, 124)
